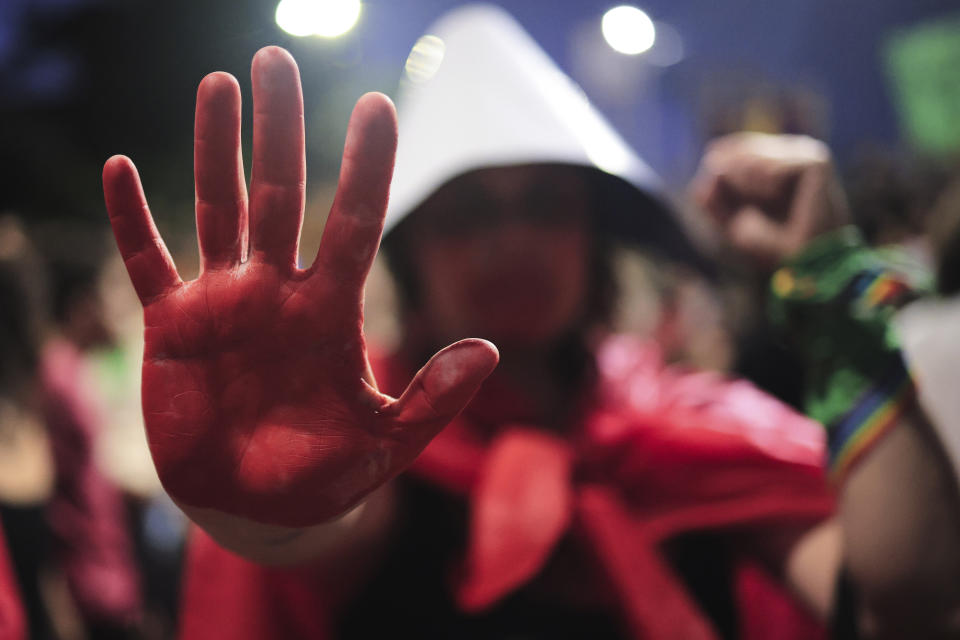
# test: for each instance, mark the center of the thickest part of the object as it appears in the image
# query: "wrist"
(271, 544)
(828, 245)
(835, 302)
(821, 268)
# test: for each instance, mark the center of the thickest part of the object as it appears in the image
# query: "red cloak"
(659, 453)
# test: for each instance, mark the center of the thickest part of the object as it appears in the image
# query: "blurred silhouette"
(66, 525)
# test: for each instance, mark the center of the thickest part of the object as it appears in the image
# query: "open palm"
(257, 393)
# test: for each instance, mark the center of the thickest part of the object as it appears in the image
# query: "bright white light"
(295, 17)
(326, 18)
(425, 58)
(628, 30)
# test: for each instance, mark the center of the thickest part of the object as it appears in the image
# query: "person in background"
(584, 490)
(64, 523)
(27, 470)
(86, 513)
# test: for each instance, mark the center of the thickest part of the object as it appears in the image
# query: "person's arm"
(262, 414)
(360, 530)
(895, 536)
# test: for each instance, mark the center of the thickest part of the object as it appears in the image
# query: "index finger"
(352, 233)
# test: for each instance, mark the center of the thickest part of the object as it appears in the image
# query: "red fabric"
(522, 505)
(13, 623)
(660, 453)
(86, 512)
(651, 596)
(772, 613)
(226, 596)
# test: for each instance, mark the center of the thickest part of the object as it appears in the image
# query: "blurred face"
(504, 254)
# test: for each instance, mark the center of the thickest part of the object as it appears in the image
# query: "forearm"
(900, 517)
(777, 201)
(354, 532)
(899, 513)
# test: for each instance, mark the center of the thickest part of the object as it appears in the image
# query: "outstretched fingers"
(279, 172)
(147, 260)
(218, 172)
(441, 390)
(352, 233)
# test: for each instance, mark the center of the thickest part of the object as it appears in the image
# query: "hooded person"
(508, 190)
(585, 490)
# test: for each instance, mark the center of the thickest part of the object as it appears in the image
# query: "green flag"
(923, 63)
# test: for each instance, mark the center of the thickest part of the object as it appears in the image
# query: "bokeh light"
(668, 49)
(628, 30)
(325, 18)
(425, 58)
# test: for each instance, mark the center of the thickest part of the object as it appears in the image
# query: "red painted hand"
(257, 393)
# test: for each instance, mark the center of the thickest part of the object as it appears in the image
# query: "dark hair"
(891, 195)
(944, 231)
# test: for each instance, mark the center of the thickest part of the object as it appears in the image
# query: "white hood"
(479, 92)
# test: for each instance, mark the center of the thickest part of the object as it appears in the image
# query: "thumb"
(441, 390)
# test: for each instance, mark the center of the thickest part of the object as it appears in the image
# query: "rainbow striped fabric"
(836, 302)
(872, 416)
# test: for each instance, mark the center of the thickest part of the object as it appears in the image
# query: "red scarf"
(665, 453)
(660, 453)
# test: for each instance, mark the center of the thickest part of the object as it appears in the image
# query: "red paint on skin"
(253, 376)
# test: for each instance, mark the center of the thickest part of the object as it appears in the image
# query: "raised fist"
(771, 194)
